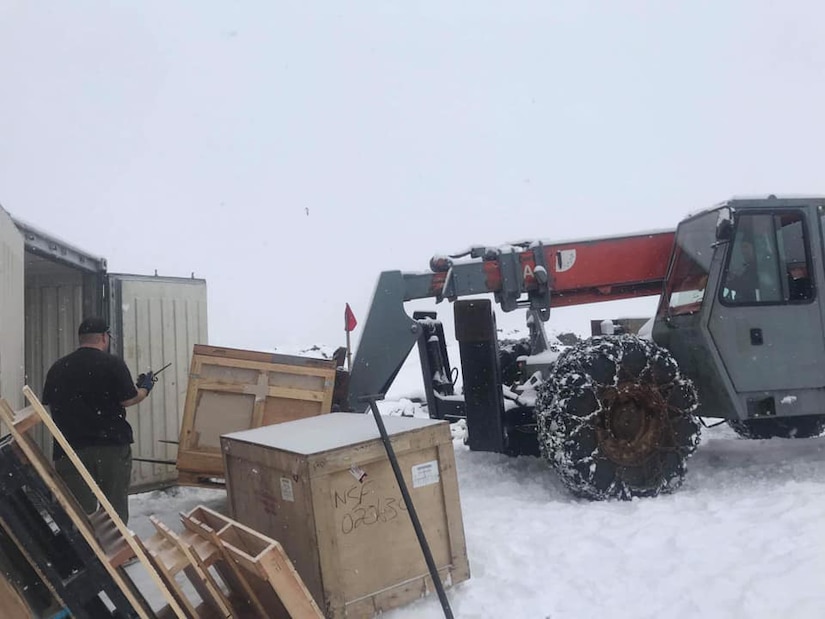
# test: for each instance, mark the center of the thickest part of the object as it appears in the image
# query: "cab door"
(766, 322)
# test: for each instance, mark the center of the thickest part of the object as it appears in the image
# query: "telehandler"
(738, 335)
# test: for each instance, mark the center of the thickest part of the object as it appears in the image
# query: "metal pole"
(153, 461)
(419, 532)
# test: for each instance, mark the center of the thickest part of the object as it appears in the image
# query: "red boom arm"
(579, 272)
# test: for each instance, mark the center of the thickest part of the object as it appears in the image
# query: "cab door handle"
(756, 337)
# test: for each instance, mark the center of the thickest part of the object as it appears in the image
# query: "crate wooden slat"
(325, 487)
(259, 557)
(25, 419)
(177, 562)
(204, 540)
(231, 389)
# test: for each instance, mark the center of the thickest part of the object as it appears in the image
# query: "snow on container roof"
(325, 432)
(54, 248)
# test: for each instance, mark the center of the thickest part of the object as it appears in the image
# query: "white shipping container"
(158, 320)
(49, 286)
(11, 311)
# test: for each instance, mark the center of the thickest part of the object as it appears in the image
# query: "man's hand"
(146, 381)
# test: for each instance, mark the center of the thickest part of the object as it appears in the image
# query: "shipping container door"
(157, 320)
(12, 361)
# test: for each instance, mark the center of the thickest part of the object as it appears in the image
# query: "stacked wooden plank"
(270, 580)
(215, 568)
(236, 571)
(103, 537)
(231, 389)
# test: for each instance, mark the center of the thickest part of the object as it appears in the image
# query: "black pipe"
(153, 461)
(422, 540)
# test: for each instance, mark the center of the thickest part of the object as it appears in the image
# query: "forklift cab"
(740, 311)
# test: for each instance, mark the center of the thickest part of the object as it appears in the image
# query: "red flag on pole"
(349, 319)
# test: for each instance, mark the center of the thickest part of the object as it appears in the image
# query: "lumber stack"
(55, 556)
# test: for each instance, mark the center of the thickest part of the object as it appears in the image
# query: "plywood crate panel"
(231, 389)
(324, 488)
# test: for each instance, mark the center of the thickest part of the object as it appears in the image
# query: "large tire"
(807, 426)
(615, 419)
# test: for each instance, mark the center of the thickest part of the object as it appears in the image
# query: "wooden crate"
(231, 390)
(324, 488)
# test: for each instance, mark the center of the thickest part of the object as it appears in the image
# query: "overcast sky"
(289, 152)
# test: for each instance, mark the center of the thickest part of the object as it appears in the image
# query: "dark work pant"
(110, 466)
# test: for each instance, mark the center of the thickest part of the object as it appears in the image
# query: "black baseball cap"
(93, 325)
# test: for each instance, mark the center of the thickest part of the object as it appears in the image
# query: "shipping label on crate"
(286, 490)
(425, 474)
(357, 472)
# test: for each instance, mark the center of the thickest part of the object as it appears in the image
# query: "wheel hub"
(631, 423)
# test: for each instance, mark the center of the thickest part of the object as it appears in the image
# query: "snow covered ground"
(742, 538)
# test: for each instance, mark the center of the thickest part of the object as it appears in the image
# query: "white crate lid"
(325, 432)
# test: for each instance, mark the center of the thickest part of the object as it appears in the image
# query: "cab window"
(768, 261)
(688, 273)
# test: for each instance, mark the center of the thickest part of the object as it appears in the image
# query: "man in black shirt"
(87, 392)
